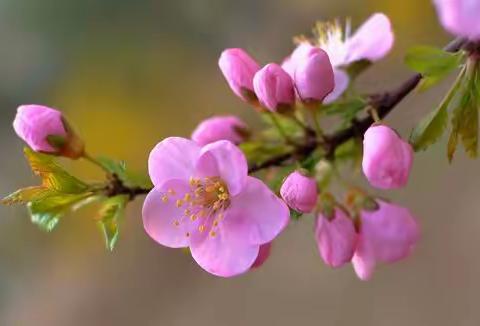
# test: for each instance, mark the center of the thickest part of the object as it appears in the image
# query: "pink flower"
(299, 192)
(372, 41)
(263, 255)
(387, 159)
(220, 128)
(34, 123)
(314, 78)
(238, 68)
(204, 199)
(387, 235)
(336, 238)
(274, 88)
(460, 17)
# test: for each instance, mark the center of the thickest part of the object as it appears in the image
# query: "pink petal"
(336, 239)
(364, 261)
(263, 255)
(224, 255)
(387, 159)
(220, 128)
(231, 163)
(172, 158)
(341, 84)
(159, 217)
(391, 231)
(34, 123)
(460, 17)
(256, 215)
(372, 41)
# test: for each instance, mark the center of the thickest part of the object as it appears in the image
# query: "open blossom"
(204, 199)
(336, 238)
(274, 88)
(299, 192)
(387, 159)
(313, 76)
(372, 41)
(460, 17)
(238, 68)
(387, 235)
(220, 128)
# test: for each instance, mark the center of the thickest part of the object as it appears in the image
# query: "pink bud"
(336, 238)
(387, 235)
(274, 88)
(314, 78)
(387, 159)
(298, 55)
(460, 17)
(263, 255)
(34, 123)
(220, 128)
(238, 68)
(299, 192)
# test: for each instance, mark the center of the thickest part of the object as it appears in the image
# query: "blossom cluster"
(204, 197)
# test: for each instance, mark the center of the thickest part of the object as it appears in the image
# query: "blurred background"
(128, 73)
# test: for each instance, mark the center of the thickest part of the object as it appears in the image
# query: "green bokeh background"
(128, 73)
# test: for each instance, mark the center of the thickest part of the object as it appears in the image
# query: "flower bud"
(314, 78)
(460, 17)
(45, 130)
(220, 128)
(387, 159)
(263, 255)
(336, 238)
(238, 68)
(274, 88)
(387, 235)
(299, 192)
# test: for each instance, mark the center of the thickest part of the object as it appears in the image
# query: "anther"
(179, 203)
(165, 198)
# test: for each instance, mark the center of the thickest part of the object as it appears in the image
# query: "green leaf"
(465, 116)
(435, 64)
(288, 125)
(111, 212)
(26, 195)
(260, 151)
(46, 213)
(430, 129)
(432, 61)
(53, 176)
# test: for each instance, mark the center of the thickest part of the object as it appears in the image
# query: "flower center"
(204, 204)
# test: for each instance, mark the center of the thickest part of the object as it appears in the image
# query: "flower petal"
(256, 215)
(223, 255)
(161, 214)
(363, 260)
(341, 84)
(372, 41)
(172, 158)
(231, 163)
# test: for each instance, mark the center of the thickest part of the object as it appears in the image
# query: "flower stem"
(280, 128)
(316, 124)
(94, 161)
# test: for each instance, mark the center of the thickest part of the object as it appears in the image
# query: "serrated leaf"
(26, 195)
(53, 176)
(112, 211)
(431, 61)
(46, 213)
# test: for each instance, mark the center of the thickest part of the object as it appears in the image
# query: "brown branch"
(383, 103)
